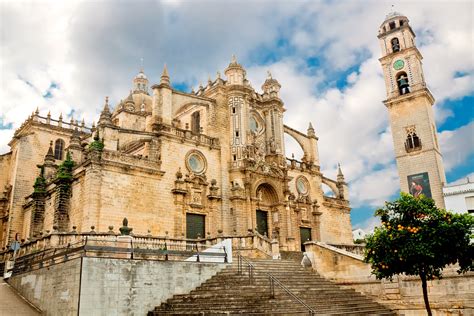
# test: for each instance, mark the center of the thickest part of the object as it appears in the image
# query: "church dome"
(141, 75)
(393, 20)
(393, 14)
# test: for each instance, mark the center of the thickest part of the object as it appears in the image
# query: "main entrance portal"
(305, 235)
(195, 226)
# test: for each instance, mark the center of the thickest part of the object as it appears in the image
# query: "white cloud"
(463, 179)
(93, 49)
(457, 145)
(368, 225)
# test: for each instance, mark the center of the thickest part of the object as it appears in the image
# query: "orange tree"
(417, 238)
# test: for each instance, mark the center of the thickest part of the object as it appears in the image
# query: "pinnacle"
(165, 77)
(165, 72)
(106, 105)
(339, 172)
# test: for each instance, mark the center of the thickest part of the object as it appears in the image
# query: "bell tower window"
(196, 122)
(402, 83)
(412, 142)
(395, 45)
(58, 149)
(391, 25)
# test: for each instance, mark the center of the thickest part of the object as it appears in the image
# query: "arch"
(293, 147)
(412, 142)
(303, 141)
(266, 194)
(58, 149)
(395, 44)
(133, 145)
(331, 188)
(402, 83)
(189, 106)
(196, 122)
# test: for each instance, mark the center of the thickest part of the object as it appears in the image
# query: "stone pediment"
(266, 169)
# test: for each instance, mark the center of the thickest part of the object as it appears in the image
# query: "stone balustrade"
(61, 240)
(355, 249)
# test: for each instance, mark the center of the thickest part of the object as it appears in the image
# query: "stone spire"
(310, 131)
(340, 176)
(165, 77)
(75, 148)
(48, 164)
(75, 140)
(105, 115)
(50, 154)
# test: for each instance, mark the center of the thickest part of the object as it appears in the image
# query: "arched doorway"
(267, 198)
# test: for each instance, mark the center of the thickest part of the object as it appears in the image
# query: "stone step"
(228, 293)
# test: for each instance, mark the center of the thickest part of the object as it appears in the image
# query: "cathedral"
(207, 163)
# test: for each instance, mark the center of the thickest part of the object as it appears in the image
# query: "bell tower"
(409, 103)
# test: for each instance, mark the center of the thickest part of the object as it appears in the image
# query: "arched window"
(412, 142)
(402, 83)
(395, 45)
(58, 149)
(196, 123)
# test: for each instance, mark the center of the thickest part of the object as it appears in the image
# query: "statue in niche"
(272, 145)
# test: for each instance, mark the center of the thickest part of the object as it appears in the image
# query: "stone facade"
(409, 102)
(161, 156)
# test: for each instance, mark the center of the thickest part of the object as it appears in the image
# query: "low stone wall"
(134, 287)
(54, 290)
(108, 286)
(452, 295)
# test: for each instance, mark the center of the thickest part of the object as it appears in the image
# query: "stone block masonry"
(54, 290)
(104, 286)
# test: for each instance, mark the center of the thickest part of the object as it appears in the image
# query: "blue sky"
(67, 55)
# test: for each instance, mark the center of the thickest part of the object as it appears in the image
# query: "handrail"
(272, 280)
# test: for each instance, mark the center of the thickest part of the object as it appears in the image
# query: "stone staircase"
(228, 293)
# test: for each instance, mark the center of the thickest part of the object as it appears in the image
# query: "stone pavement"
(12, 304)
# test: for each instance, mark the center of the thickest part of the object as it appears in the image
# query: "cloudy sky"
(66, 56)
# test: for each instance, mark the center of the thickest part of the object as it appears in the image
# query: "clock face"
(399, 64)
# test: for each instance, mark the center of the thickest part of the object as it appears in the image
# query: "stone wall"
(54, 290)
(134, 287)
(451, 295)
(107, 286)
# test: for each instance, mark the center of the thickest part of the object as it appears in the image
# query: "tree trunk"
(425, 293)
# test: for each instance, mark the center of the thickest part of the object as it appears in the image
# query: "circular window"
(196, 162)
(302, 185)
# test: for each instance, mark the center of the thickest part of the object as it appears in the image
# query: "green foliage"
(97, 144)
(417, 238)
(40, 184)
(64, 173)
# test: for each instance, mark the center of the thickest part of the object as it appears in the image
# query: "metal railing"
(273, 280)
(99, 248)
